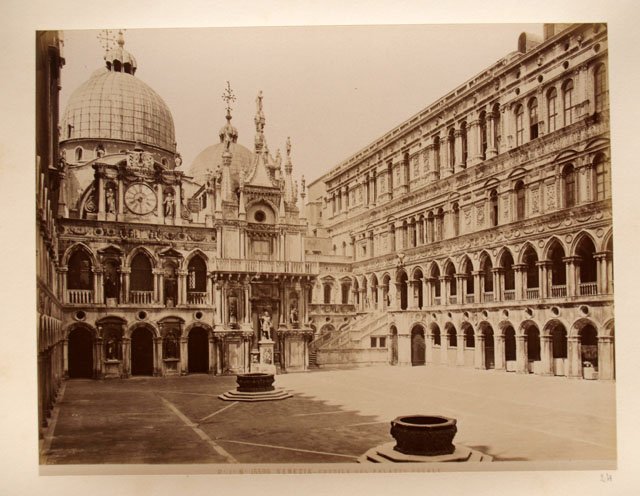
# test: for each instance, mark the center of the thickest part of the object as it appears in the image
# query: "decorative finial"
(107, 39)
(288, 146)
(228, 96)
(259, 102)
(303, 183)
(120, 38)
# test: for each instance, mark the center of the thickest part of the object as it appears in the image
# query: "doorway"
(198, 348)
(142, 352)
(489, 349)
(80, 353)
(418, 349)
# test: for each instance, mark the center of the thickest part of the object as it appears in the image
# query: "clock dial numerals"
(140, 199)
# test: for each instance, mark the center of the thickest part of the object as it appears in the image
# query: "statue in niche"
(233, 312)
(265, 325)
(112, 350)
(171, 345)
(169, 205)
(110, 201)
(293, 315)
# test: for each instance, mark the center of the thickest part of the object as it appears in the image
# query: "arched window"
(327, 292)
(79, 275)
(496, 126)
(439, 225)
(78, 154)
(493, 207)
(430, 228)
(455, 219)
(390, 178)
(345, 287)
(532, 276)
(509, 279)
(587, 267)
(141, 275)
(603, 186)
(520, 201)
(567, 102)
(519, 125)
(463, 137)
(533, 118)
(452, 337)
(450, 272)
(558, 271)
(552, 109)
(197, 275)
(569, 186)
(600, 88)
(436, 156)
(483, 135)
(469, 338)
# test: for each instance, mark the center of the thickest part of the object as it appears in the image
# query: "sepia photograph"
(353, 245)
(318, 248)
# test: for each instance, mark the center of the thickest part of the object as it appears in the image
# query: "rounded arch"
(418, 346)
(142, 325)
(582, 322)
(401, 275)
(197, 323)
(373, 280)
(608, 329)
(80, 325)
(527, 324)
(466, 265)
(607, 241)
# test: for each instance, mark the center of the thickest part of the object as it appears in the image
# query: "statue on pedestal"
(265, 325)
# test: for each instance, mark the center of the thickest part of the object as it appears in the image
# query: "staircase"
(351, 345)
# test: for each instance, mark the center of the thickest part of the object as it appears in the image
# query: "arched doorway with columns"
(509, 348)
(433, 345)
(554, 348)
(418, 348)
(488, 345)
(142, 350)
(198, 350)
(80, 352)
(528, 348)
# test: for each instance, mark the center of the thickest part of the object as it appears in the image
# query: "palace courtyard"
(334, 416)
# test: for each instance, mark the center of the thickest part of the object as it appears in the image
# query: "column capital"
(519, 267)
(572, 260)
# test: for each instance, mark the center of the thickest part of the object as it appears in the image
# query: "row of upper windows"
(431, 227)
(560, 111)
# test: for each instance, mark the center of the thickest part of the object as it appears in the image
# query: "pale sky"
(333, 90)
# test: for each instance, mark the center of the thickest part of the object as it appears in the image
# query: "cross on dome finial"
(228, 96)
(107, 39)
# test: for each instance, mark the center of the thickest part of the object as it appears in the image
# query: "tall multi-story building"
(478, 232)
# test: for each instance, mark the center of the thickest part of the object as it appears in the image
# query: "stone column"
(182, 287)
(217, 298)
(157, 357)
(492, 150)
(444, 347)
(606, 368)
(184, 355)
(572, 280)
(427, 300)
(126, 357)
(499, 354)
(97, 285)
(412, 298)
(519, 273)
(480, 351)
(428, 345)
(458, 147)
(212, 354)
(126, 273)
(474, 142)
(543, 277)
(157, 286)
(498, 277)
(546, 355)
(100, 193)
(120, 199)
(160, 203)
(460, 349)
(477, 285)
(522, 365)
(404, 349)
(178, 206)
(574, 358)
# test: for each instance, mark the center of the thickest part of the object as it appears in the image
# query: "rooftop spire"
(228, 134)
(116, 57)
(260, 122)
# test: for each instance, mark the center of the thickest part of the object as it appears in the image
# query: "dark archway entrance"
(418, 348)
(559, 349)
(533, 348)
(394, 345)
(80, 353)
(510, 348)
(142, 352)
(589, 346)
(198, 351)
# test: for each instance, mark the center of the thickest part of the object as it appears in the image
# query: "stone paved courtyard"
(334, 417)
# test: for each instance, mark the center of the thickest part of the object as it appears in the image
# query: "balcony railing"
(488, 296)
(588, 288)
(533, 293)
(141, 297)
(265, 266)
(80, 296)
(558, 291)
(453, 299)
(470, 298)
(437, 300)
(509, 294)
(196, 298)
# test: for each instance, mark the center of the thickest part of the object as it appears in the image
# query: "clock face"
(140, 199)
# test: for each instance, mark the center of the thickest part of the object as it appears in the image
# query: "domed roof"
(209, 159)
(117, 105)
